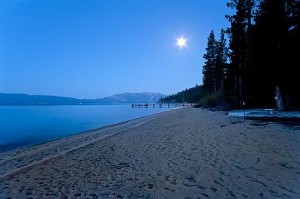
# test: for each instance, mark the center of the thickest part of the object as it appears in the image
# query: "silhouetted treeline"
(264, 40)
(214, 68)
(191, 95)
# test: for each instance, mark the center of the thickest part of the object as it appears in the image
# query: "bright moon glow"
(181, 42)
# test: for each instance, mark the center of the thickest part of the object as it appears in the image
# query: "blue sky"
(91, 49)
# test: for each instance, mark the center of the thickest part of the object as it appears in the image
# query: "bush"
(213, 100)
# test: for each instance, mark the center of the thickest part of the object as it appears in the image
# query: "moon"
(181, 42)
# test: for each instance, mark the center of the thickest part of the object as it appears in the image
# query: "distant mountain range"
(24, 99)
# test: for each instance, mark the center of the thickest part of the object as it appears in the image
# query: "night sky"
(91, 49)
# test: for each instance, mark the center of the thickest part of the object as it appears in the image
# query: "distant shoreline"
(64, 104)
(1, 105)
(123, 98)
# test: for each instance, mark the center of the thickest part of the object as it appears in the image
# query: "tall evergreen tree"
(292, 93)
(269, 53)
(209, 80)
(264, 49)
(263, 37)
(241, 23)
(216, 59)
(221, 61)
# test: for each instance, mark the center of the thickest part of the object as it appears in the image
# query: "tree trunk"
(278, 99)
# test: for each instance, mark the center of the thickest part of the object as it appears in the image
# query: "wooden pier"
(160, 105)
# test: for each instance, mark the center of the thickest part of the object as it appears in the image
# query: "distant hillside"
(191, 95)
(24, 99)
(133, 98)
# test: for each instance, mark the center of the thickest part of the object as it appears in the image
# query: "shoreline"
(182, 153)
(26, 144)
(75, 139)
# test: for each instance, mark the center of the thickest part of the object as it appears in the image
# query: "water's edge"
(22, 158)
(21, 127)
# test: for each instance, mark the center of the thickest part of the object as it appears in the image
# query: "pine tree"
(264, 50)
(221, 60)
(209, 80)
(241, 23)
(269, 47)
(292, 93)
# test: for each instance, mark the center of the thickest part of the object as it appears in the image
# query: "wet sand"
(183, 153)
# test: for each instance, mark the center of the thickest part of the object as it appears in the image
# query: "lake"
(28, 125)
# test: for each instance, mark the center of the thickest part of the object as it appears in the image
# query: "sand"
(183, 153)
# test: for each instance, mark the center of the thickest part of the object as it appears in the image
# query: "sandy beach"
(183, 153)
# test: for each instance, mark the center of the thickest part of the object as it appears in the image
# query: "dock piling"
(159, 105)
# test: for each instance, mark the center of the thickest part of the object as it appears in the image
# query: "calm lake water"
(28, 125)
